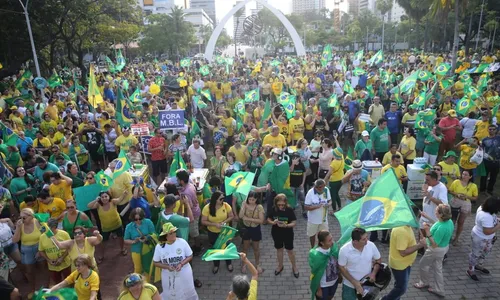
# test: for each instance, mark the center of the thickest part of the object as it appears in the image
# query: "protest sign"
(171, 119)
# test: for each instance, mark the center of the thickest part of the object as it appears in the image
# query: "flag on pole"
(239, 108)
(124, 114)
(195, 128)
(111, 65)
(103, 180)
(94, 95)
(54, 80)
(240, 182)
(267, 112)
(333, 101)
(186, 62)
(348, 88)
(252, 96)
(177, 164)
(199, 103)
(425, 119)
(464, 105)
(408, 83)
(348, 159)
(230, 252)
(442, 69)
(204, 70)
(288, 102)
(122, 164)
(26, 76)
(120, 61)
(327, 55)
(424, 75)
(358, 72)
(206, 94)
(359, 55)
(378, 58)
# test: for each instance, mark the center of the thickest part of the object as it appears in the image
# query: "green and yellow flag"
(186, 62)
(420, 100)
(206, 94)
(424, 75)
(61, 294)
(103, 180)
(464, 105)
(348, 159)
(442, 69)
(111, 65)
(54, 80)
(267, 112)
(94, 95)
(226, 234)
(359, 55)
(177, 164)
(120, 61)
(318, 261)
(408, 83)
(26, 76)
(425, 119)
(275, 63)
(122, 164)
(204, 70)
(378, 58)
(136, 96)
(358, 72)
(124, 114)
(230, 252)
(348, 88)
(333, 101)
(288, 102)
(239, 182)
(252, 96)
(239, 108)
(199, 103)
(327, 55)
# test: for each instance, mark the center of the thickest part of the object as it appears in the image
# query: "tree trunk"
(467, 37)
(455, 38)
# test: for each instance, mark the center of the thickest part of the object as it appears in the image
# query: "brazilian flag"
(177, 164)
(206, 94)
(124, 114)
(240, 182)
(442, 69)
(19, 82)
(288, 102)
(185, 62)
(252, 95)
(103, 180)
(136, 96)
(425, 119)
(199, 103)
(378, 58)
(230, 252)
(464, 105)
(424, 75)
(122, 164)
(204, 70)
(333, 101)
(348, 88)
(61, 294)
(327, 55)
(54, 80)
(120, 61)
(408, 83)
(348, 160)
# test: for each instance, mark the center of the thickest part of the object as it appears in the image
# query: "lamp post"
(479, 26)
(26, 15)
(494, 33)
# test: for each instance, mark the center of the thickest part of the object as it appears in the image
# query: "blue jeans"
(298, 192)
(328, 292)
(401, 278)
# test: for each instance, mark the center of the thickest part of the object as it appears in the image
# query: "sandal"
(124, 252)
(454, 242)
(99, 260)
(230, 268)
(198, 283)
(420, 285)
(215, 270)
(432, 291)
(260, 270)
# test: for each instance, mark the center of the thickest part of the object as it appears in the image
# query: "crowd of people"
(55, 140)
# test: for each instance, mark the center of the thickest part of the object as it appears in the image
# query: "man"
(363, 148)
(108, 93)
(358, 259)
(298, 179)
(380, 139)
(239, 150)
(57, 259)
(398, 168)
(60, 186)
(276, 172)
(376, 111)
(241, 288)
(275, 139)
(122, 185)
(94, 142)
(435, 193)
(87, 114)
(410, 117)
(358, 180)
(449, 126)
(388, 156)
(491, 147)
(198, 84)
(318, 199)
(125, 141)
(43, 166)
(393, 117)
(482, 126)
(197, 154)
(296, 127)
(110, 136)
(53, 206)
(188, 190)
(157, 146)
(402, 253)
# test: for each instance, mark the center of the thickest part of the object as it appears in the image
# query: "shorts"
(251, 233)
(118, 232)
(282, 238)
(8, 250)
(28, 255)
(159, 166)
(58, 276)
(313, 229)
(194, 230)
(459, 206)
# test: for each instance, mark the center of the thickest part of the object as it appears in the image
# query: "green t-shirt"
(181, 222)
(31, 133)
(442, 233)
(433, 147)
(361, 146)
(380, 139)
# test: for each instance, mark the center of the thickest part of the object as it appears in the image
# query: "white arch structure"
(299, 47)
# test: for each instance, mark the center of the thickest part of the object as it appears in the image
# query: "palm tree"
(177, 18)
(384, 6)
(416, 10)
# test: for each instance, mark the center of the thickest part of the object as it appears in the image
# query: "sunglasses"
(138, 219)
(77, 233)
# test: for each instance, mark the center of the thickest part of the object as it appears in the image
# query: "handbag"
(478, 156)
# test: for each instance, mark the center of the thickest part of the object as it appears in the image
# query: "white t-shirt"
(318, 216)
(484, 219)
(5, 235)
(358, 264)
(412, 59)
(439, 191)
(197, 156)
(468, 127)
(331, 274)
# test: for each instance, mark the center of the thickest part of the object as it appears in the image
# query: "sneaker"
(472, 275)
(445, 258)
(483, 270)
(304, 214)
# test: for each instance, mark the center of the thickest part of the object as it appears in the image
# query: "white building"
(239, 28)
(160, 6)
(207, 5)
(303, 6)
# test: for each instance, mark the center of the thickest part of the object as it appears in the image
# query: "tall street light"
(26, 15)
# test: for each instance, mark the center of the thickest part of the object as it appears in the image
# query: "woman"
(110, 220)
(363, 147)
(432, 142)
(322, 262)
(138, 200)
(58, 262)
(407, 146)
(438, 243)
(217, 162)
(468, 148)
(325, 157)
(137, 233)
(133, 156)
(305, 154)
(80, 244)
(22, 185)
(231, 163)
(334, 177)
(78, 152)
(9, 248)
(76, 175)
(255, 163)
(463, 191)
(483, 236)
(451, 171)
(215, 215)
(135, 287)
(252, 215)
(73, 218)
(28, 231)
(90, 178)
(173, 255)
(46, 124)
(283, 220)
(255, 142)
(84, 279)
(220, 133)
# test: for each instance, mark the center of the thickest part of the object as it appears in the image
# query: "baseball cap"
(365, 133)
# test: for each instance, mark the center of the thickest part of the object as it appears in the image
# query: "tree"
(416, 10)
(274, 29)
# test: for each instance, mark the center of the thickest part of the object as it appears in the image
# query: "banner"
(144, 143)
(171, 119)
(139, 129)
(86, 194)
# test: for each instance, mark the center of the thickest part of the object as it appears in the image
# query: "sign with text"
(171, 119)
(139, 129)
(144, 143)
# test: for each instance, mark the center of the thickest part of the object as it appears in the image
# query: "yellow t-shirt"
(43, 143)
(55, 208)
(408, 118)
(125, 142)
(466, 152)
(388, 157)
(84, 286)
(121, 184)
(284, 130)
(241, 154)
(296, 127)
(110, 219)
(470, 190)
(229, 124)
(401, 238)
(45, 126)
(482, 129)
(449, 170)
(47, 245)
(400, 171)
(148, 291)
(408, 144)
(61, 190)
(23, 205)
(275, 141)
(220, 215)
(53, 112)
(338, 169)
(226, 88)
(252, 294)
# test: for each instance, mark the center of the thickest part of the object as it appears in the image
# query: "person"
(189, 190)
(402, 253)
(358, 181)
(316, 204)
(77, 176)
(231, 163)
(388, 156)
(22, 185)
(252, 215)
(407, 146)
(451, 171)
(464, 191)
(393, 117)
(468, 148)
(217, 162)
(43, 166)
(468, 124)
(9, 248)
(133, 156)
(449, 126)
(380, 139)
(138, 201)
(8, 290)
(60, 186)
(398, 168)
(432, 142)
(50, 205)
(357, 259)
(241, 289)
(491, 146)
(172, 255)
(110, 220)
(438, 242)
(80, 244)
(57, 259)
(283, 220)
(196, 154)
(298, 179)
(85, 279)
(254, 163)
(72, 217)
(483, 236)
(363, 147)
(325, 157)
(324, 266)
(240, 151)
(435, 193)
(214, 216)
(137, 233)
(275, 138)
(376, 111)
(124, 141)
(135, 287)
